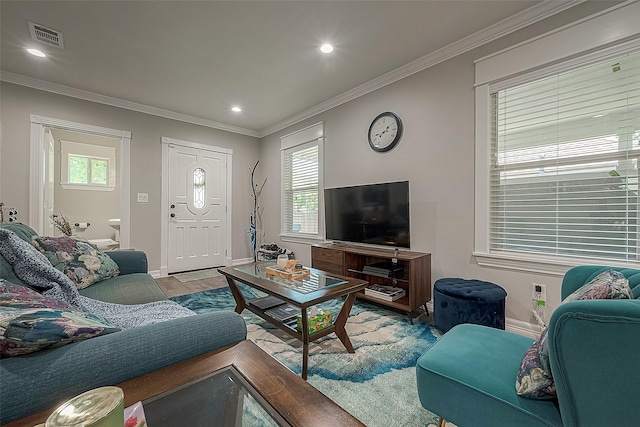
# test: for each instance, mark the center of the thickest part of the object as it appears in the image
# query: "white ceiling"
(194, 60)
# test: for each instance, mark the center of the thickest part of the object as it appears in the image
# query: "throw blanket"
(35, 270)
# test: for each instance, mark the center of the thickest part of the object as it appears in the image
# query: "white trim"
(494, 70)
(89, 152)
(21, 80)
(309, 135)
(530, 330)
(507, 26)
(37, 179)
(302, 136)
(609, 26)
(164, 198)
(526, 329)
(482, 154)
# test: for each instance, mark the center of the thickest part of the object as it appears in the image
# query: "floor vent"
(46, 35)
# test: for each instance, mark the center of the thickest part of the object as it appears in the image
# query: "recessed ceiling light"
(36, 52)
(236, 109)
(326, 48)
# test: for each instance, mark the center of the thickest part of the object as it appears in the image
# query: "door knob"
(173, 215)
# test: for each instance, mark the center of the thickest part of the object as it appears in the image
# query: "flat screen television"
(374, 214)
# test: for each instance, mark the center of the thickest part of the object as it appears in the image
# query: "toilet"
(115, 224)
(109, 244)
(105, 244)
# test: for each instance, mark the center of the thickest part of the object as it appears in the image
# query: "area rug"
(376, 384)
(197, 275)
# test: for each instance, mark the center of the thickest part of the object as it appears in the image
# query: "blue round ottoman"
(459, 301)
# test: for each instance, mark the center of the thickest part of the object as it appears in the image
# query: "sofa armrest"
(593, 349)
(42, 380)
(130, 261)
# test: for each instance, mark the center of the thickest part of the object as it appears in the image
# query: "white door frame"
(37, 218)
(164, 202)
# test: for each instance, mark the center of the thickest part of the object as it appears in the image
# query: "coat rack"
(253, 230)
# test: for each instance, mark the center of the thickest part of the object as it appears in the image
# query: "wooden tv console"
(415, 277)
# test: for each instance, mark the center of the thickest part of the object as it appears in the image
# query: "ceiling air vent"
(46, 35)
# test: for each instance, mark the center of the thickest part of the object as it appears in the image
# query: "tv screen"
(375, 214)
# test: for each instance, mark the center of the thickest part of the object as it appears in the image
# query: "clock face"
(385, 132)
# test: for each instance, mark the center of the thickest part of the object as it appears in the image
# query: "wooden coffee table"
(315, 288)
(288, 397)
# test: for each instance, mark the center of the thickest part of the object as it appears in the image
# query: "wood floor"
(172, 287)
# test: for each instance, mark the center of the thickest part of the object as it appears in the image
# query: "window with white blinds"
(564, 163)
(301, 190)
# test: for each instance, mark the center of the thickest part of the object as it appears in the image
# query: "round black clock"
(385, 132)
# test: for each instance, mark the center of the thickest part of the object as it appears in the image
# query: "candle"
(100, 407)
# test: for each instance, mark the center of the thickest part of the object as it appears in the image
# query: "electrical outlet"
(539, 293)
(143, 197)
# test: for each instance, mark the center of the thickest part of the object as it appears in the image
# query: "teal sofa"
(40, 381)
(468, 377)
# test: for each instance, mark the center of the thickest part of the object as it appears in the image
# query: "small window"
(88, 171)
(87, 166)
(302, 185)
(199, 176)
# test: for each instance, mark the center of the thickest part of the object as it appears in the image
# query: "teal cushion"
(135, 288)
(81, 261)
(31, 322)
(480, 393)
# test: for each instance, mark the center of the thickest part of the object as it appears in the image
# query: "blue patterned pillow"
(534, 379)
(81, 261)
(31, 322)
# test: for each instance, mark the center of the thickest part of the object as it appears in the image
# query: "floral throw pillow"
(610, 284)
(31, 322)
(81, 261)
(534, 379)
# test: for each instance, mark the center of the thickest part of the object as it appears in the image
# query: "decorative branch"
(61, 222)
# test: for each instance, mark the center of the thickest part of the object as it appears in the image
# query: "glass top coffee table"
(190, 391)
(314, 288)
(223, 398)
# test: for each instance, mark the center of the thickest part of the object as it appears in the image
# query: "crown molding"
(21, 80)
(527, 17)
(514, 23)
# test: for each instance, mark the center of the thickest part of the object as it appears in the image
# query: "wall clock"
(385, 132)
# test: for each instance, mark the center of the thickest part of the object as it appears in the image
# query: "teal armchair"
(468, 377)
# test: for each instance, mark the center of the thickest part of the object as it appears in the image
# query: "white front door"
(197, 208)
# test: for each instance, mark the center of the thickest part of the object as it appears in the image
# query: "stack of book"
(283, 312)
(384, 292)
(384, 269)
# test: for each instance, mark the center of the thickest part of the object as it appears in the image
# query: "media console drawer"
(327, 259)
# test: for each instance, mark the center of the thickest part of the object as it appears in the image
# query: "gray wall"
(17, 103)
(436, 155)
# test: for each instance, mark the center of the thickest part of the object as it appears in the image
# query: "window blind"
(564, 163)
(301, 189)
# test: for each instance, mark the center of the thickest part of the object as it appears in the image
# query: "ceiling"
(193, 61)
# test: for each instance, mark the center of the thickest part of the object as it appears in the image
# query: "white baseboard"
(155, 274)
(519, 327)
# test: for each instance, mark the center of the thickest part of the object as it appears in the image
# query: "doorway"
(41, 193)
(196, 189)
